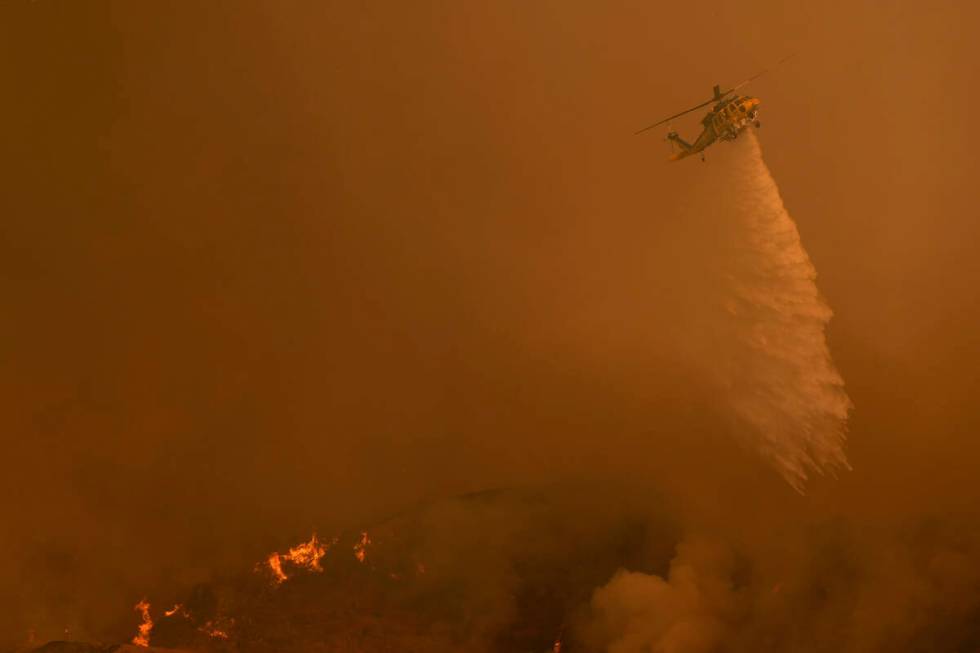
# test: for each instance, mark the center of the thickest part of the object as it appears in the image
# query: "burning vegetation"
(142, 637)
(513, 572)
(360, 549)
(178, 608)
(305, 556)
(486, 572)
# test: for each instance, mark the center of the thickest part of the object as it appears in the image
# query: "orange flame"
(177, 609)
(142, 637)
(360, 549)
(275, 565)
(306, 555)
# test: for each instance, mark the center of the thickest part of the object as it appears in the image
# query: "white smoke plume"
(691, 611)
(770, 354)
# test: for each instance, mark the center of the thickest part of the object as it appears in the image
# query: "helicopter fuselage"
(725, 121)
(730, 114)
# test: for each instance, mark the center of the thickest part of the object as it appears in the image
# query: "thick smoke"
(325, 261)
(773, 361)
(912, 588)
(688, 612)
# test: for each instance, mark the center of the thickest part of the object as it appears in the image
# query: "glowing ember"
(360, 549)
(306, 556)
(216, 630)
(143, 634)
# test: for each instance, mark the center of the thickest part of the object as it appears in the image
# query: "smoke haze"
(273, 269)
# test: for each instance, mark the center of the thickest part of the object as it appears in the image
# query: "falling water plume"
(780, 381)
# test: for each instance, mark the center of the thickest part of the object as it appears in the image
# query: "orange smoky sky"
(274, 268)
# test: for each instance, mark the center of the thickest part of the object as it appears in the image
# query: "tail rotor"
(669, 137)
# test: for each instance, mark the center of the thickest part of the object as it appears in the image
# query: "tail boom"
(686, 148)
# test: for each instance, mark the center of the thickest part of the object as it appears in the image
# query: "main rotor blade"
(760, 74)
(676, 115)
(720, 96)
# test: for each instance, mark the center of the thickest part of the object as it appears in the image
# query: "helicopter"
(729, 116)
